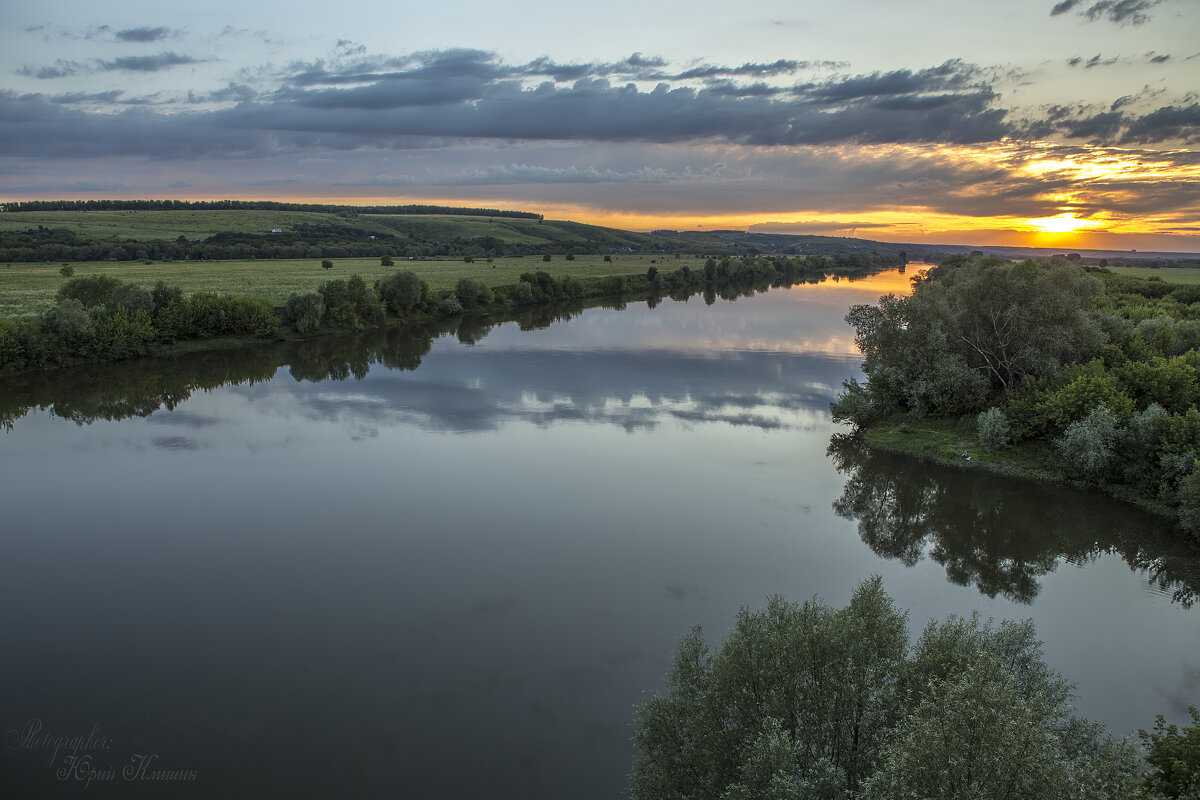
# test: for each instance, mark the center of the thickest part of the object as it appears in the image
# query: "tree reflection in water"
(998, 534)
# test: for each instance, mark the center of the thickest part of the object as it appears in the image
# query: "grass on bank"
(1171, 275)
(946, 440)
(28, 289)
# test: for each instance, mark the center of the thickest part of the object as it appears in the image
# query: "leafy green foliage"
(472, 292)
(1174, 758)
(994, 433)
(815, 702)
(90, 290)
(402, 292)
(304, 311)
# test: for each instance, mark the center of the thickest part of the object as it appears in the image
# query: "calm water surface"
(396, 566)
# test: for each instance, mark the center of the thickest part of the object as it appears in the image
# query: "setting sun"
(1063, 223)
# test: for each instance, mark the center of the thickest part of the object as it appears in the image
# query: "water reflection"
(998, 535)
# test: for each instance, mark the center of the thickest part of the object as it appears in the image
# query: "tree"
(402, 291)
(1174, 758)
(386, 261)
(472, 292)
(808, 701)
(304, 311)
(326, 264)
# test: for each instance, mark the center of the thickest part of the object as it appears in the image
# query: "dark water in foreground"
(377, 566)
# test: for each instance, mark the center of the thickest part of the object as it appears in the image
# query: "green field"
(1172, 275)
(29, 289)
(197, 225)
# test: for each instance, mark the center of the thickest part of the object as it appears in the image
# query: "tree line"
(99, 318)
(253, 205)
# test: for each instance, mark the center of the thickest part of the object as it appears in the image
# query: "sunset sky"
(1032, 122)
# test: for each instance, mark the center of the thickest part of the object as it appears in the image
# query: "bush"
(853, 405)
(546, 257)
(1189, 501)
(472, 292)
(569, 257)
(252, 316)
(386, 261)
(12, 355)
(1174, 758)
(524, 294)
(163, 295)
(304, 311)
(449, 305)
(210, 315)
(173, 320)
(402, 292)
(1088, 446)
(66, 271)
(69, 331)
(992, 429)
(327, 264)
(90, 290)
(468, 260)
(124, 334)
(608, 259)
(131, 298)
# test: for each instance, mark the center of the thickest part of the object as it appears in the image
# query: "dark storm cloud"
(143, 34)
(164, 60)
(65, 69)
(1119, 11)
(456, 95)
(61, 69)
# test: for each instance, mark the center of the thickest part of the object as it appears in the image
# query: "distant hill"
(122, 230)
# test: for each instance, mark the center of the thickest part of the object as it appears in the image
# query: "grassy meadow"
(1171, 275)
(28, 289)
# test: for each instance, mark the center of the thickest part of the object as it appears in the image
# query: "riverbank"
(953, 442)
(99, 318)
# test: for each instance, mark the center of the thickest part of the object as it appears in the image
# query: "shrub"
(304, 311)
(1088, 446)
(163, 295)
(524, 294)
(853, 405)
(252, 316)
(66, 271)
(449, 305)
(468, 260)
(1189, 504)
(123, 334)
(90, 290)
(386, 261)
(327, 264)
(69, 330)
(472, 292)
(173, 320)
(569, 257)
(1174, 757)
(608, 259)
(546, 257)
(131, 297)
(210, 315)
(12, 355)
(402, 291)
(992, 429)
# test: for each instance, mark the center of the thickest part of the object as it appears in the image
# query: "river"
(449, 564)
